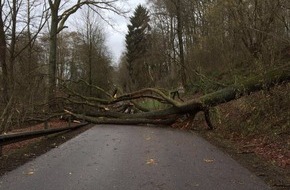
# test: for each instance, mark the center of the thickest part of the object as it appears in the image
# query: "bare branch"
(155, 91)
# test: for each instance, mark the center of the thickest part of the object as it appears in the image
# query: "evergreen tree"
(137, 43)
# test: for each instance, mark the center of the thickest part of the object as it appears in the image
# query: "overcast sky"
(116, 36)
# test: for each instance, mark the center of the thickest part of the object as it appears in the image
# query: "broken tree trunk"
(175, 109)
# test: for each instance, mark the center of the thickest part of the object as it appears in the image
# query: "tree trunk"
(52, 53)
(17, 137)
(259, 82)
(180, 41)
(3, 46)
(12, 43)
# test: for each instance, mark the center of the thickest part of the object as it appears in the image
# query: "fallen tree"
(6, 139)
(108, 111)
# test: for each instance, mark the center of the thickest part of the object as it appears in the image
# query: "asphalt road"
(133, 158)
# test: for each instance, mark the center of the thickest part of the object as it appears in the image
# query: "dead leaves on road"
(148, 139)
(208, 160)
(151, 162)
(29, 172)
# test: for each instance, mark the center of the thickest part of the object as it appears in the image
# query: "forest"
(181, 57)
(217, 67)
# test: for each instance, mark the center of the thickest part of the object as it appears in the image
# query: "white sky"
(115, 37)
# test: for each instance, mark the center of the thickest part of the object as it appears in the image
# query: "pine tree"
(137, 41)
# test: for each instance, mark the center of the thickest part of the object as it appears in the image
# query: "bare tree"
(93, 45)
(16, 38)
(57, 24)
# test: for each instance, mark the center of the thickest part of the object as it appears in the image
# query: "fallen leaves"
(208, 160)
(267, 149)
(30, 173)
(151, 162)
(148, 139)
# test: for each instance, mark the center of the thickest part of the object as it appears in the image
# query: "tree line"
(38, 53)
(197, 43)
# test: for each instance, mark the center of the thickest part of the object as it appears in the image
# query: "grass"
(152, 104)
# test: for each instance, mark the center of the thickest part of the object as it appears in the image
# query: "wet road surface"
(132, 158)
